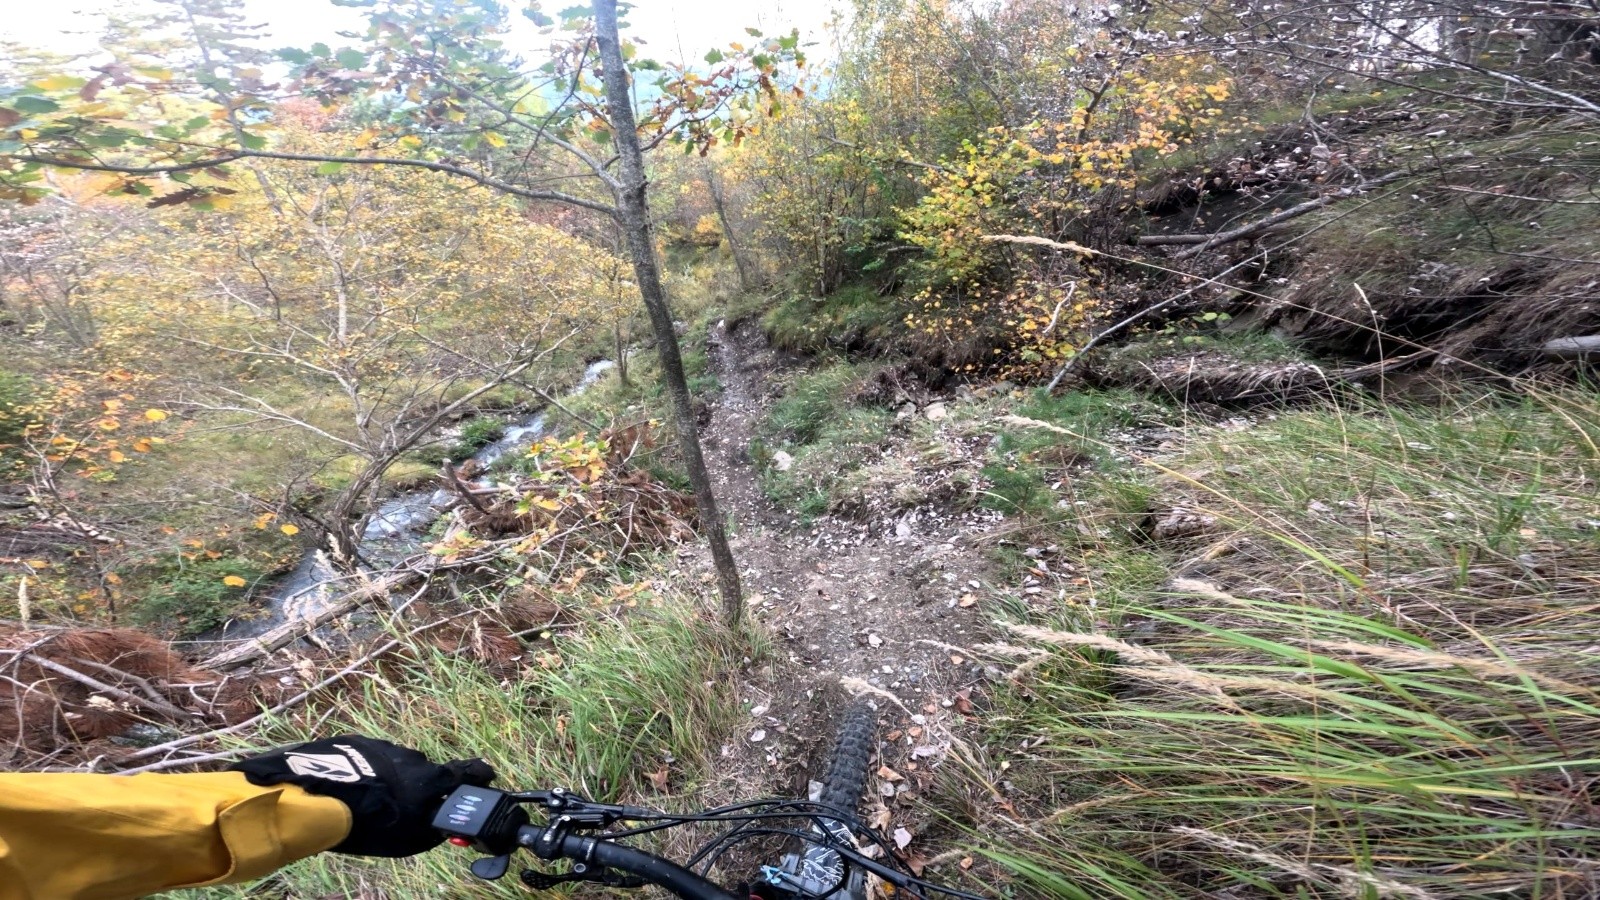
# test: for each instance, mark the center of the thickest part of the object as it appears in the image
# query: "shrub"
(192, 596)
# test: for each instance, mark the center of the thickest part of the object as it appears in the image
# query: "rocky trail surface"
(872, 608)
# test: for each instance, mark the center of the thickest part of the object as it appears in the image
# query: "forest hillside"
(1176, 419)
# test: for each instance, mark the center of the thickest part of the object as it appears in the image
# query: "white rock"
(935, 412)
(782, 461)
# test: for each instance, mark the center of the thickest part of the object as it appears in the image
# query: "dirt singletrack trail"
(870, 605)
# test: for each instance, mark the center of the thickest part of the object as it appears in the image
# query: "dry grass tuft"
(1388, 687)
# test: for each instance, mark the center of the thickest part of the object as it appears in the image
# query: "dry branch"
(1208, 241)
(156, 706)
(286, 705)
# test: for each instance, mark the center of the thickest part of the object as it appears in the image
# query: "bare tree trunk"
(634, 215)
(745, 283)
(621, 353)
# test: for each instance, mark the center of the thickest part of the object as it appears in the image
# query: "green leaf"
(294, 56)
(538, 18)
(752, 32)
(197, 123)
(601, 136)
(320, 50)
(330, 168)
(647, 65)
(351, 58)
(34, 105)
(108, 139)
(576, 12)
(252, 141)
(714, 57)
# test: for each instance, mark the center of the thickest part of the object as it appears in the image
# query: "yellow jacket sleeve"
(108, 837)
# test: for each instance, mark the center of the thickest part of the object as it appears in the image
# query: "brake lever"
(490, 868)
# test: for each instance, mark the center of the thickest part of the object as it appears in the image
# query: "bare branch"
(1208, 241)
(235, 155)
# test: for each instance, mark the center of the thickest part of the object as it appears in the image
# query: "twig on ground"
(288, 704)
(157, 706)
(861, 686)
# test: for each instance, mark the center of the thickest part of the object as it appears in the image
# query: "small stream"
(394, 531)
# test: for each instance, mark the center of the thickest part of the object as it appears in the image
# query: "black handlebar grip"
(657, 871)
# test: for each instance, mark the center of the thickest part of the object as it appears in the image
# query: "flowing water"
(394, 531)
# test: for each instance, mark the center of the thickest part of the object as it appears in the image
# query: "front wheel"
(846, 778)
(820, 871)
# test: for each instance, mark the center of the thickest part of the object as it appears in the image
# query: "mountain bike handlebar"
(494, 822)
(584, 832)
(588, 851)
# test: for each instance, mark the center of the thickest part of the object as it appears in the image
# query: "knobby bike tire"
(846, 779)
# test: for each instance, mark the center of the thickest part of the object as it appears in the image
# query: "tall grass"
(1381, 680)
(599, 711)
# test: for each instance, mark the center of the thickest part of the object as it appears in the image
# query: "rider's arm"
(70, 836)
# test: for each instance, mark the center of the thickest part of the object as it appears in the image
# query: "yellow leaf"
(234, 581)
(154, 415)
(38, 564)
(117, 456)
(494, 139)
(288, 529)
(113, 578)
(58, 83)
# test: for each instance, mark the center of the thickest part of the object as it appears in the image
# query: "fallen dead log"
(1573, 347)
(252, 649)
(1208, 241)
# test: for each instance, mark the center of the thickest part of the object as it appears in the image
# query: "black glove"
(393, 792)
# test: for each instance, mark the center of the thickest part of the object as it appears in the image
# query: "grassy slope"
(1368, 672)
(608, 703)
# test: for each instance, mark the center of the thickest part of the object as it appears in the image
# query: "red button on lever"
(459, 841)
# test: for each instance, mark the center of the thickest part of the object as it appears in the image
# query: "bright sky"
(665, 26)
